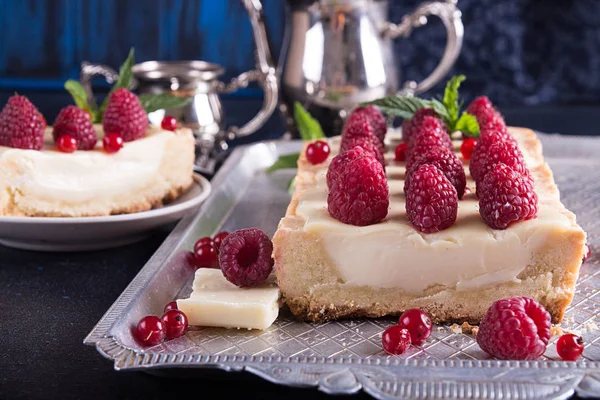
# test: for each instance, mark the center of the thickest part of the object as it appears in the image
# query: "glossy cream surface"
(392, 254)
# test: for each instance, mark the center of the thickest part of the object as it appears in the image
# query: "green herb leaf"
(309, 128)
(468, 125)
(79, 95)
(153, 102)
(451, 100)
(292, 186)
(125, 80)
(400, 106)
(285, 161)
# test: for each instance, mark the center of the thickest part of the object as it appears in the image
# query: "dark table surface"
(50, 301)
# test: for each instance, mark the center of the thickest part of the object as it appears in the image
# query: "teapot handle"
(264, 74)
(451, 17)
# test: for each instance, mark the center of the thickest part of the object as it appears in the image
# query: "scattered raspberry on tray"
(444, 160)
(411, 126)
(359, 196)
(245, 257)
(431, 201)
(506, 197)
(516, 328)
(73, 121)
(377, 120)
(431, 133)
(124, 115)
(21, 125)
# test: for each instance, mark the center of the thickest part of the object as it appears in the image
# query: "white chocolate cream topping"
(49, 173)
(392, 254)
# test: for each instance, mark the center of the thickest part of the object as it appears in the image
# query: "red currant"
(176, 323)
(219, 237)
(171, 306)
(206, 256)
(169, 123)
(317, 152)
(418, 323)
(150, 331)
(395, 340)
(203, 241)
(466, 148)
(112, 142)
(400, 152)
(66, 143)
(587, 253)
(569, 347)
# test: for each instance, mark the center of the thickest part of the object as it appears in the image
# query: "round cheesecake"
(144, 174)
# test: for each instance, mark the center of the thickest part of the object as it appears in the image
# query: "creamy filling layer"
(392, 254)
(85, 175)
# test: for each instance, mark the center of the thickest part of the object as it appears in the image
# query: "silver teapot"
(339, 53)
(199, 81)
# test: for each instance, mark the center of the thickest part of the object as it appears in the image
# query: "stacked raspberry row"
(435, 178)
(504, 183)
(358, 187)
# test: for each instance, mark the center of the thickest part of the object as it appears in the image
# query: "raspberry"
(124, 115)
(371, 145)
(360, 195)
(432, 133)
(340, 162)
(502, 153)
(506, 197)
(444, 160)
(516, 328)
(21, 125)
(479, 155)
(431, 201)
(377, 120)
(358, 125)
(411, 126)
(245, 257)
(483, 110)
(74, 121)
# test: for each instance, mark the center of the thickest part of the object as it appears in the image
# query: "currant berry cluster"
(152, 330)
(414, 327)
(206, 250)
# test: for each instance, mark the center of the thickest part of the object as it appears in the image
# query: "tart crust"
(314, 291)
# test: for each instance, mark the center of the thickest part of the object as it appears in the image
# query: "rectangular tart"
(328, 270)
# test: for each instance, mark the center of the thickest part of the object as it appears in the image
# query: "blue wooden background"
(515, 51)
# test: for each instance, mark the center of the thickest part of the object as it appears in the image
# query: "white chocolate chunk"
(217, 302)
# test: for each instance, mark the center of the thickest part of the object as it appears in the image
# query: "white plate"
(93, 233)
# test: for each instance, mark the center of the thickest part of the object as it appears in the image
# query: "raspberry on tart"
(338, 165)
(377, 120)
(502, 153)
(21, 125)
(444, 160)
(371, 145)
(431, 201)
(431, 133)
(360, 194)
(73, 121)
(516, 328)
(506, 197)
(358, 125)
(412, 125)
(125, 115)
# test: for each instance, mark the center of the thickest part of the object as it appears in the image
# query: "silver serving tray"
(344, 357)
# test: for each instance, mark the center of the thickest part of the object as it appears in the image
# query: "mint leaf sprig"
(150, 102)
(449, 108)
(309, 128)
